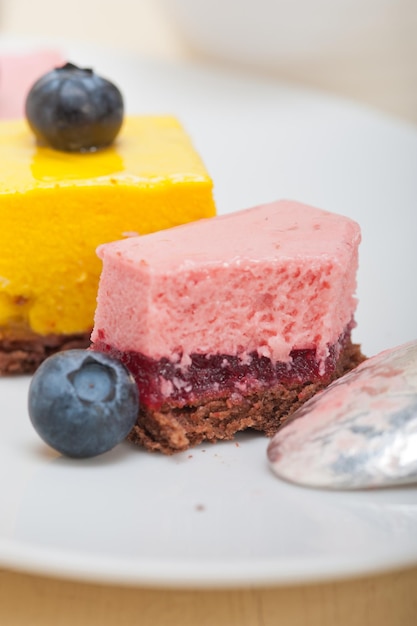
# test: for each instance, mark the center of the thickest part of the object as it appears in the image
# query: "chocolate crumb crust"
(23, 354)
(170, 430)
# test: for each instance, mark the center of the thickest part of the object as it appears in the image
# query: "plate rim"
(172, 574)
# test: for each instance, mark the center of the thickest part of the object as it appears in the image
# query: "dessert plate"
(216, 516)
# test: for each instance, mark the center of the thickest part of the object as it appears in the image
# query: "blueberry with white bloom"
(83, 403)
(74, 110)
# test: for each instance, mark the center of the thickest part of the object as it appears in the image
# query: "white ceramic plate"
(216, 516)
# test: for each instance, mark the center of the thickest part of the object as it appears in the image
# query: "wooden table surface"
(387, 600)
(30, 600)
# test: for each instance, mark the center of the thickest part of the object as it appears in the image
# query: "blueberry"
(74, 109)
(82, 403)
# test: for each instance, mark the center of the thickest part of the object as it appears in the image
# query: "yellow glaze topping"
(57, 207)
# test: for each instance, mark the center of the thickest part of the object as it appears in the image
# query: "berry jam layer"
(215, 397)
(206, 377)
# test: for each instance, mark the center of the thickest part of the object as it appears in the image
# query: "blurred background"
(365, 50)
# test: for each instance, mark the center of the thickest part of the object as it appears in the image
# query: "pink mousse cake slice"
(18, 72)
(230, 322)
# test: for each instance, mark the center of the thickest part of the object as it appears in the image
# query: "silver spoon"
(360, 432)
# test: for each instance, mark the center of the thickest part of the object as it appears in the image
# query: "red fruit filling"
(219, 375)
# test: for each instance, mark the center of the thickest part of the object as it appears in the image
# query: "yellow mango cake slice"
(56, 207)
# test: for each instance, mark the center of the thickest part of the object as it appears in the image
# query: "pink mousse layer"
(270, 279)
(18, 72)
